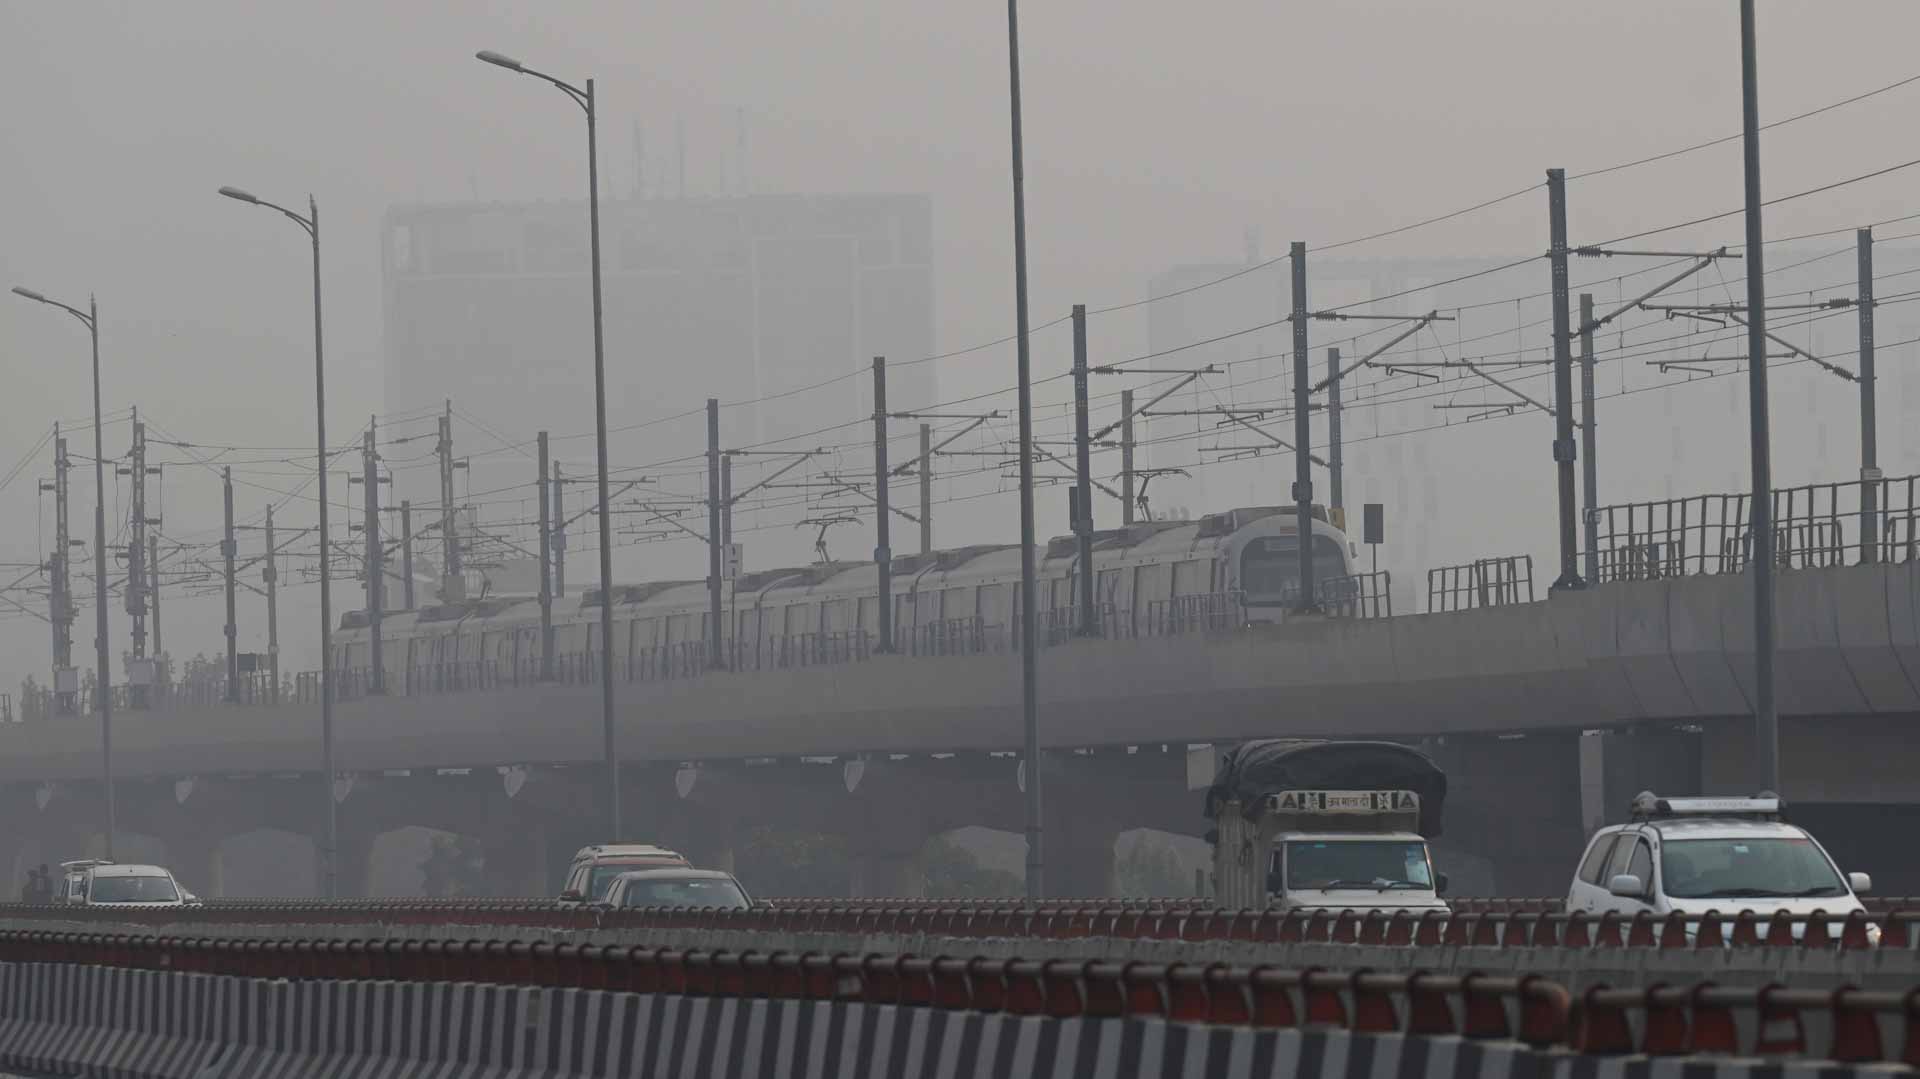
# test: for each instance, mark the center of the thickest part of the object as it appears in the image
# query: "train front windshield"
(1270, 568)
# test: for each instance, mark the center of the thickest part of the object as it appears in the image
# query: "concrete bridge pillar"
(1080, 861)
(887, 874)
(517, 858)
(1616, 765)
(195, 862)
(1514, 802)
(353, 863)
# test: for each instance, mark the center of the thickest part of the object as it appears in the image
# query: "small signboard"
(1346, 802)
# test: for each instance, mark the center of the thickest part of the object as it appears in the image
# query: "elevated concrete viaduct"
(1547, 717)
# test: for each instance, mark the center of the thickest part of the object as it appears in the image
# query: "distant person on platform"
(45, 892)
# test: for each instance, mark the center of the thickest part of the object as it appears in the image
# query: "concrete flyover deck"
(1668, 650)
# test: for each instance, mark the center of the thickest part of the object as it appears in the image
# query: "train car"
(1235, 567)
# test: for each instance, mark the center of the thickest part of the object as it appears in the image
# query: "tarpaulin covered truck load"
(1326, 825)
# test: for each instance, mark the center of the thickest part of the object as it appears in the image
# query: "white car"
(109, 884)
(677, 888)
(1694, 855)
(594, 868)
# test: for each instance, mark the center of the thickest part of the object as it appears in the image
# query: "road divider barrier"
(1855, 931)
(164, 1007)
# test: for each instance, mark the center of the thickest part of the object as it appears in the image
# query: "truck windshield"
(1771, 868)
(133, 890)
(1356, 863)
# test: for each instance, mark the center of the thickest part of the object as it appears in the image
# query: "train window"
(1270, 565)
(1193, 578)
(996, 604)
(957, 602)
(834, 616)
(802, 618)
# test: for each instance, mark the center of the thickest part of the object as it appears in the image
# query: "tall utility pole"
(716, 632)
(1590, 462)
(1029, 594)
(227, 553)
(726, 500)
(1302, 432)
(376, 557)
(546, 560)
(559, 533)
(882, 551)
(454, 587)
(136, 598)
(153, 591)
(1869, 436)
(406, 552)
(1083, 468)
(1336, 504)
(1766, 719)
(926, 488)
(1126, 457)
(61, 590)
(1563, 446)
(270, 576)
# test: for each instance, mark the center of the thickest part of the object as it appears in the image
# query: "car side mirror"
(570, 896)
(1439, 884)
(1861, 883)
(1627, 886)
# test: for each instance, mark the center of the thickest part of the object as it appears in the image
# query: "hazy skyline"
(1152, 141)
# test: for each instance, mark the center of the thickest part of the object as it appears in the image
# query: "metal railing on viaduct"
(1818, 526)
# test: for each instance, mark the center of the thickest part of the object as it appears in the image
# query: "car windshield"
(710, 892)
(1314, 864)
(133, 890)
(606, 873)
(1779, 867)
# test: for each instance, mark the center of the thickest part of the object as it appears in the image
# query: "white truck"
(1326, 826)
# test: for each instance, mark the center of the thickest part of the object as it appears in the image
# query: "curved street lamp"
(90, 318)
(329, 859)
(584, 99)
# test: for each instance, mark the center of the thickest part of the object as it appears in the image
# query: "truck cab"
(1358, 847)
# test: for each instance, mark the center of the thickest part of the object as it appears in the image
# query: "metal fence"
(1365, 595)
(1484, 582)
(1814, 526)
(1206, 612)
(1359, 595)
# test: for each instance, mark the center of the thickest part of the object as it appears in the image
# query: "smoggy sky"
(1156, 134)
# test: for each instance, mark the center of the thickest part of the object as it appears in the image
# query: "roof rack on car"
(1766, 806)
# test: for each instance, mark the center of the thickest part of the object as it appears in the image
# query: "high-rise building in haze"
(741, 298)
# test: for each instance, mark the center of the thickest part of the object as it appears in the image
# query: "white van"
(1694, 855)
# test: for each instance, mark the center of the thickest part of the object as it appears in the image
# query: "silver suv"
(95, 883)
(1694, 855)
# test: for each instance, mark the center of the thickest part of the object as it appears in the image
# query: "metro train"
(1141, 572)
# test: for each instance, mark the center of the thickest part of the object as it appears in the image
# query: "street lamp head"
(496, 59)
(28, 293)
(236, 193)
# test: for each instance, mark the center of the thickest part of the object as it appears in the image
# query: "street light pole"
(103, 691)
(329, 855)
(585, 99)
(1766, 720)
(1029, 622)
